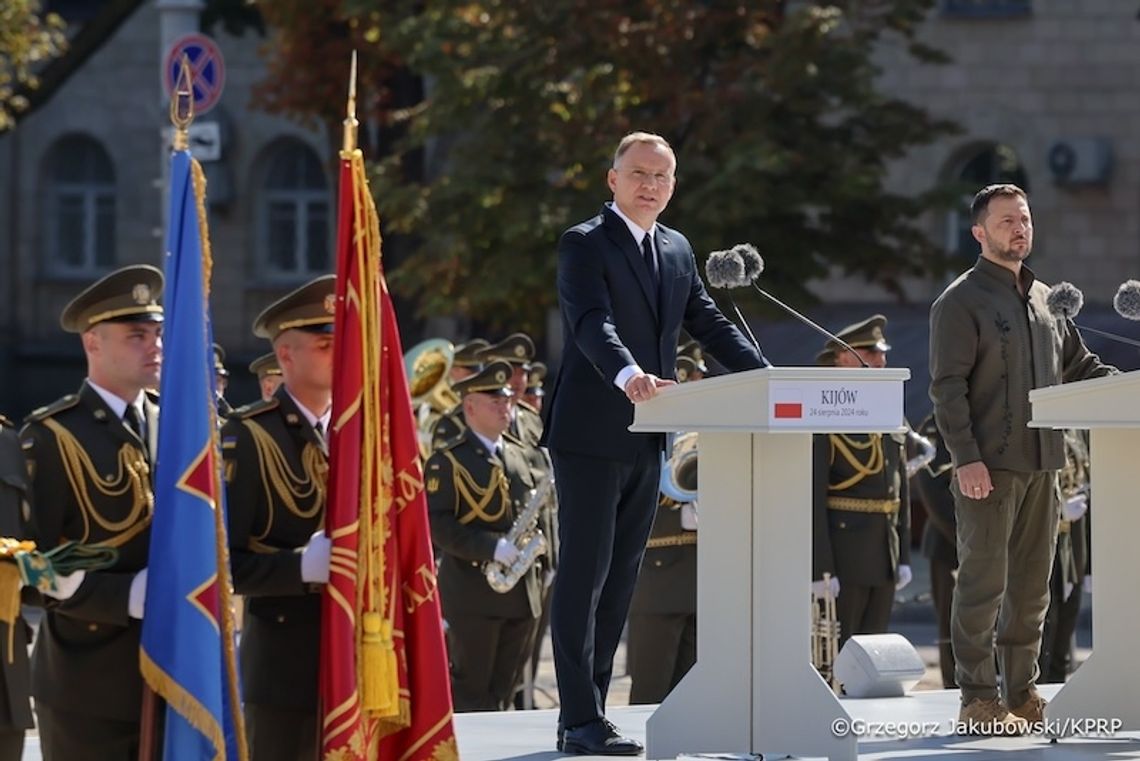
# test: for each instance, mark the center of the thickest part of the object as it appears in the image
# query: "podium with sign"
(1104, 687)
(753, 689)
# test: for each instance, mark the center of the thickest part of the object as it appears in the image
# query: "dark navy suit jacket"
(613, 316)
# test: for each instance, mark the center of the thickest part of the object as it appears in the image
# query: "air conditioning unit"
(1081, 160)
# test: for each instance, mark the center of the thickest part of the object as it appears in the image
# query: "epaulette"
(508, 436)
(450, 443)
(253, 409)
(528, 407)
(54, 408)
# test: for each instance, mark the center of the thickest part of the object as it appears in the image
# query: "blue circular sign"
(207, 69)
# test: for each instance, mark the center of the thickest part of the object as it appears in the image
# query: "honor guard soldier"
(221, 381)
(90, 460)
(15, 681)
(861, 504)
(276, 464)
(268, 374)
(534, 391)
(691, 362)
(662, 644)
(476, 487)
(518, 350)
(465, 363)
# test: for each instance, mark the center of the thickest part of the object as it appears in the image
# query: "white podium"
(753, 689)
(1105, 686)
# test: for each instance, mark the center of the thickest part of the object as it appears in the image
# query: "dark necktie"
(133, 421)
(647, 253)
(499, 452)
(320, 431)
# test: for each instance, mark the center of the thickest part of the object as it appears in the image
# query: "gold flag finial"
(350, 123)
(182, 106)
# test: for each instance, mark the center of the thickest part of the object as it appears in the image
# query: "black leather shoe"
(599, 738)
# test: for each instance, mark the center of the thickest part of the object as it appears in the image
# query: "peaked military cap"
(693, 351)
(534, 379)
(867, 334)
(311, 307)
(492, 379)
(265, 365)
(685, 368)
(517, 348)
(130, 294)
(467, 355)
(220, 361)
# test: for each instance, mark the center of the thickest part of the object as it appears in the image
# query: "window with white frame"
(80, 207)
(294, 212)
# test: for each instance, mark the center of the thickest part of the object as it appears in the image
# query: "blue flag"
(188, 656)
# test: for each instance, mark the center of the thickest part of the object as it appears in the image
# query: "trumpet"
(825, 634)
(527, 537)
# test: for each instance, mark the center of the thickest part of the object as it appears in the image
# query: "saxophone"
(927, 451)
(527, 536)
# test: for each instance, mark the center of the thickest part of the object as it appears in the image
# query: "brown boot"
(1033, 709)
(980, 716)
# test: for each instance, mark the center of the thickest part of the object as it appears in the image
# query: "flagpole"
(181, 115)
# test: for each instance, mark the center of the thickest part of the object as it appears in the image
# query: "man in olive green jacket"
(993, 340)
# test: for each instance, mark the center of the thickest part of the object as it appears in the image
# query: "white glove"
(689, 516)
(66, 586)
(1086, 584)
(137, 602)
(505, 552)
(904, 577)
(819, 588)
(1074, 507)
(315, 559)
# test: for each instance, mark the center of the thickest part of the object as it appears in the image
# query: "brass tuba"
(679, 473)
(427, 365)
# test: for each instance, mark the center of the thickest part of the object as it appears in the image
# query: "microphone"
(1065, 301)
(724, 270)
(753, 266)
(1127, 300)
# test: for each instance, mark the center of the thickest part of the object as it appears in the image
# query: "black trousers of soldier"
(660, 651)
(863, 610)
(1056, 658)
(280, 733)
(942, 594)
(67, 736)
(487, 660)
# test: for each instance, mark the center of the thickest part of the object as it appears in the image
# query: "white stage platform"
(529, 735)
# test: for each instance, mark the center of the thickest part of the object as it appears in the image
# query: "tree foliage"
(28, 38)
(781, 136)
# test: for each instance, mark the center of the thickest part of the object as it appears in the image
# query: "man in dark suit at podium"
(626, 285)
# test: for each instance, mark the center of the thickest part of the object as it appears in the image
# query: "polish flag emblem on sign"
(787, 404)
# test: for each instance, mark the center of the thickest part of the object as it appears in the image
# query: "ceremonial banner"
(188, 656)
(385, 688)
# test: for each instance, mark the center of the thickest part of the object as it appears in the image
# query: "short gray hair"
(634, 138)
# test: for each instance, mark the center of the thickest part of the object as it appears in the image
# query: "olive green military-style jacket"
(989, 347)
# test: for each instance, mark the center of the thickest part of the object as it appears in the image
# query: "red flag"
(385, 688)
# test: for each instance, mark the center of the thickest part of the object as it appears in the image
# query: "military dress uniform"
(860, 508)
(276, 467)
(517, 350)
(662, 644)
(91, 483)
(939, 541)
(15, 680)
(268, 373)
(474, 496)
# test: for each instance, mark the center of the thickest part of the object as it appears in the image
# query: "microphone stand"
(744, 323)
(1106, 334)
(809, 323)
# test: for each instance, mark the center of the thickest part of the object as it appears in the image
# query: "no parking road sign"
(207, 69)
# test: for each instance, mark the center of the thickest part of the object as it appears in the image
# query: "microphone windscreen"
(753, 264)
(1065, 300)
(1127, 300)
(725, 269)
